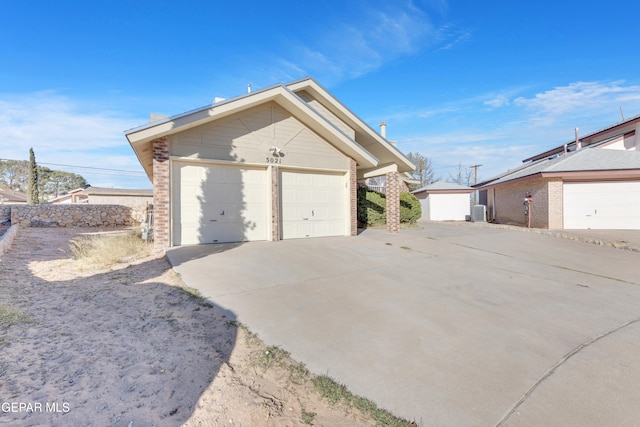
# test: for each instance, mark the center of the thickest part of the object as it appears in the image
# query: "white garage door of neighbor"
(218, 203)
(313, 204)
(602, 205)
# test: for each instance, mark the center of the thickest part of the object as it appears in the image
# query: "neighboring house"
(592, 182)
(278, 163)
(444, 201)
(10, 197)
(379, 184)
(106, 196)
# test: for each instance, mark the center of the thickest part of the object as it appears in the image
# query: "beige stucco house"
(106, 196)
(592, 182)
(278, 163)
(8, 196)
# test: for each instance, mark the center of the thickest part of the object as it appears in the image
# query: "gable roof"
(9, 196)
(609, 132)
(141, 137)
(371, 140)
(102, 191)
(590, 159)
(444, 187)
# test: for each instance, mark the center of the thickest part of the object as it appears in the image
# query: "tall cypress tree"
(33, 196)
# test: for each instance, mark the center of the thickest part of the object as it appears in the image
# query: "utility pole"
(475, 181)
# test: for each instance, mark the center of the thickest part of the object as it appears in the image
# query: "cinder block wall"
(70, 215)
(509, 202)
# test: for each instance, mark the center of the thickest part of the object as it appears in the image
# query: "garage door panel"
(602, 205)
(313, 204)
(218, 203)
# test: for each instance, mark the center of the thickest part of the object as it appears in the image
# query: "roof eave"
(139, 138)
(344, 113)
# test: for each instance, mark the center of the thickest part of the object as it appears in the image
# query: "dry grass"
(109, 249)
(11, 316)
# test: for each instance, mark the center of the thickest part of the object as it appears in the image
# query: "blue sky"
(460, 82)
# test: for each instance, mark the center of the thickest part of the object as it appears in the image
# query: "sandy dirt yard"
(128, 346)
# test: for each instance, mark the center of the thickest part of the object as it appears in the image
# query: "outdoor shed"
(278, 163)
(444, 201)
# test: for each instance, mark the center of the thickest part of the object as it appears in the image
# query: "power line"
(90, 168)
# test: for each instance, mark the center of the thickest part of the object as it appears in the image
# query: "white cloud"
(452, 36)
(62, 131)
(500, 139)
(581, 101)
(498, 101)
(376, 34)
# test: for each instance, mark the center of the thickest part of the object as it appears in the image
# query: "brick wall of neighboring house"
(509, 202)
(556, 213)
(393, 202)
(353, 197)
(76, 215)
(161, 197)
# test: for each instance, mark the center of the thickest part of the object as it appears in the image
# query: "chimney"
(383, 129)
(578, 144)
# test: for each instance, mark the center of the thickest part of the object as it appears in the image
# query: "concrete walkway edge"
(7, 238)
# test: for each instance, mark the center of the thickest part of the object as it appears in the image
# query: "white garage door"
(313, 204)
(602, 205)
(216, 204)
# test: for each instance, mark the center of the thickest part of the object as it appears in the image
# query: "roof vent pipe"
(383, 129)
(249, 88)
(578, 144)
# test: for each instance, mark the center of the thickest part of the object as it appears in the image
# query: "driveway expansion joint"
(562, 361)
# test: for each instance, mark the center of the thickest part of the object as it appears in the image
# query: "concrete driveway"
(450, 325)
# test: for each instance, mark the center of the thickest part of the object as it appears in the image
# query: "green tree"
(14, 174)
(54, 183)
(33, 195)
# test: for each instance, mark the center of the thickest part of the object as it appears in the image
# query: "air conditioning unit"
(479, 213)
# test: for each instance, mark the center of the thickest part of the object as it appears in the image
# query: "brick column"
(161, 196)
(393, 202)
(556, 207)
(275, 204)
(353, 197)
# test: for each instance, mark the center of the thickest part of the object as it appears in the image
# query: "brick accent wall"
(509, 202)
(556, 206)
(161, 196)
(353, 197)
(275, 204)
(393, 202)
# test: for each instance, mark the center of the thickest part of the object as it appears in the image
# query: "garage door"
(602, 205)
(313, 204)
(216, 204)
